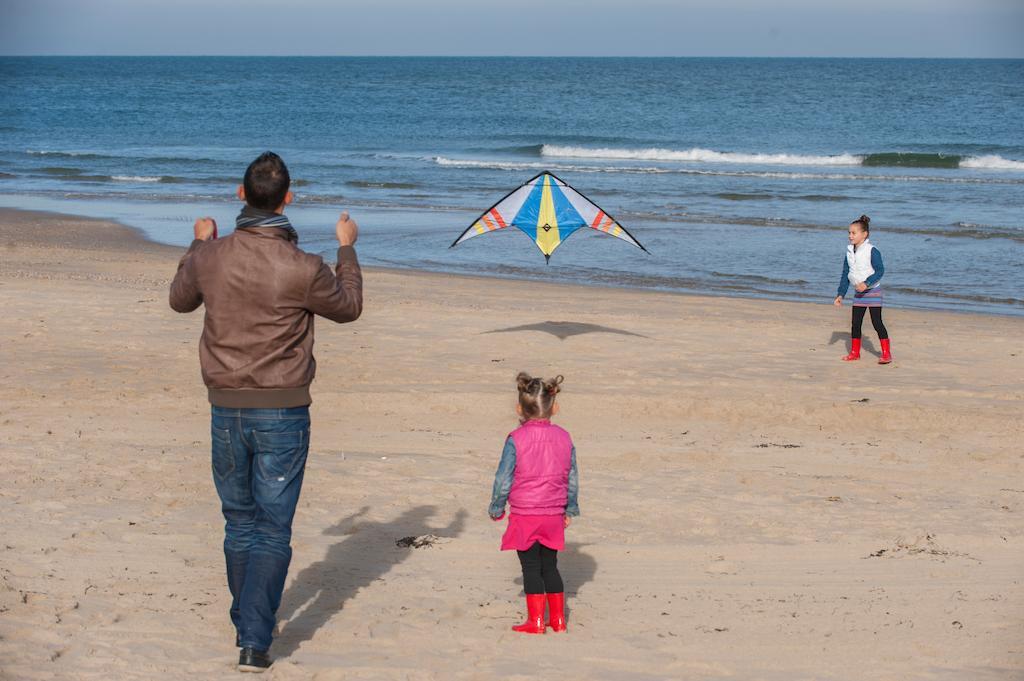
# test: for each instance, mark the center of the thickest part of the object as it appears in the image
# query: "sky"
(742, 28)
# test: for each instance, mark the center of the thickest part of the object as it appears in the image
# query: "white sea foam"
(700, 155)
(135, 178)
(47, 152)
(991, 162)
(467, 163)
(771, 174)
(535, 165)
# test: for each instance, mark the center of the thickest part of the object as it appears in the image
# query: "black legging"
(876, 321)
(540, 570)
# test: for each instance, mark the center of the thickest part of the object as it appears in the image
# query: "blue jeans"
(259, 456)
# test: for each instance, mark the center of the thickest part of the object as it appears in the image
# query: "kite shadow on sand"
(366, 552)
(565, 329)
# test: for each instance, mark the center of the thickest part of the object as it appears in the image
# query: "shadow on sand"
(865, 344)
(366, 553)
(577, 569)
(565, 329)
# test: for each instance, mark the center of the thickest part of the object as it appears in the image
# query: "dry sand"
(752, 508)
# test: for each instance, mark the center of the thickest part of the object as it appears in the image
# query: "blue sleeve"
(844, 283)
(877, 266)
(572, 507)
(503, 479)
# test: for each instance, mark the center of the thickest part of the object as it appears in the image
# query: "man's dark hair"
(266, 181)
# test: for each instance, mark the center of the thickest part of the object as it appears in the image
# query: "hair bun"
(864, 220)
(523, 381)
(554, 385)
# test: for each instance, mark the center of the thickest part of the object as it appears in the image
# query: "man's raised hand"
(346, 230)
(205, 229)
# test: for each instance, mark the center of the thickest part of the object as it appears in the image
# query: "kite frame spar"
(547, 257)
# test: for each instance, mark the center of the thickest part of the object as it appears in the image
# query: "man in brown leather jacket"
(256, 353)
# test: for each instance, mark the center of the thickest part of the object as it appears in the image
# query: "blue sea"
(739, 176)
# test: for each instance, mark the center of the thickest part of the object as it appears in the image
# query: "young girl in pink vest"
(863, 268)
(537, 476)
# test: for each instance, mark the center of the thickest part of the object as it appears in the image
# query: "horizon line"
(496, 56)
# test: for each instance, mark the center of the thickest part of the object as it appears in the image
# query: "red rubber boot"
(534, 623)
(556, 612)
(886, 357)
(854, 350)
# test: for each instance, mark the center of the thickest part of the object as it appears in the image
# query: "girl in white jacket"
(863, 268)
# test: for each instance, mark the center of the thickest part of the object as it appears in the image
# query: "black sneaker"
(252, 660)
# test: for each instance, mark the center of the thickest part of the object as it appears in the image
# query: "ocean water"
(738, 175)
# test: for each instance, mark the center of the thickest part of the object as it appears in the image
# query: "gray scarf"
(255, 217)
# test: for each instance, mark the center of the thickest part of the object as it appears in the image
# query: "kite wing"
(548, 210)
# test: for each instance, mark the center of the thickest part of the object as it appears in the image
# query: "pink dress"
(538, 494)
(524, 530)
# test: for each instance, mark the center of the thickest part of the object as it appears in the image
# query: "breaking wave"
(897, 159)
(80, 175)
(136, 178)
(536, 165)
(67, 154)
(697, 154)
(910, 160)
(656, 170)
(992, 162)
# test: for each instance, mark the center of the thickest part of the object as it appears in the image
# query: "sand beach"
(752, 507)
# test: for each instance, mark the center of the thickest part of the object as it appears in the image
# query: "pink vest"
(540, 484)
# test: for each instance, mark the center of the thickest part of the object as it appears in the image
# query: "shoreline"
(115, 235)
(790, 516)
(141, 240)
(572, 306)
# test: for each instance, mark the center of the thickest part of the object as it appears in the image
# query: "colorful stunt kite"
(548, 211)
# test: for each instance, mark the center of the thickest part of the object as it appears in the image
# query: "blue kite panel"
(569, 219)
(526, 218)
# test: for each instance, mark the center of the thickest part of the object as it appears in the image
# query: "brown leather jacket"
(261, 293)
